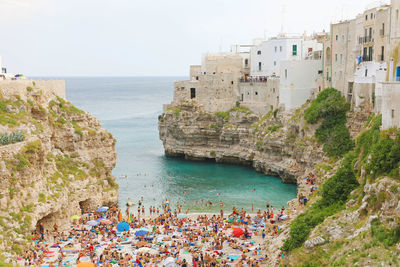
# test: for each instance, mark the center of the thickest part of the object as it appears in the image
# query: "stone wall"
(22, 88)
(260, 97)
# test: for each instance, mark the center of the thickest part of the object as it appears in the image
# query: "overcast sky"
(147, 37)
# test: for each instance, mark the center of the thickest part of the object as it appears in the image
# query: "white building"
(298, 81)
(266, 57)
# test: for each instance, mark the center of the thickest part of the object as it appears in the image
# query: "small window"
(392, 113)
(286, 73)
(273, 90)
(336, 57)
(256, 93)
(231, 82)
(192, 93)
(259, 52)
(366, 17)
(197, 78)
(280, 48)
(366, 72)
(246, 63)
(274, 63)
(341, 58)
(372, 15)
(259, 66)
(276, 49)
(294, 50)
(337, 37)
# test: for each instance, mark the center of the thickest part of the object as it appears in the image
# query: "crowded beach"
(107, 237)
(163, 236)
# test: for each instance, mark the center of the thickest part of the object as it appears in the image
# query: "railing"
(365, 39)
(367, 58)
(381, 57)
(382, 32)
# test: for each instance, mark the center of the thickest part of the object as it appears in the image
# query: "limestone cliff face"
(62, 168)
(282, 145)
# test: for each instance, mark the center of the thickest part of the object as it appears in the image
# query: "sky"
(147, 37)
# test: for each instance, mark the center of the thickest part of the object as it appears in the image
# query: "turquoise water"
(129, 108)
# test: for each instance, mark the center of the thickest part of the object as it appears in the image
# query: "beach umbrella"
(85, 264)
(181, 216)
(92, 223)
(142, 232)
(69, 249)
(122, 227)
(75, 217)
(102, 209)
(237, 232)
(105, 221)
(257, 219)
(169, 262)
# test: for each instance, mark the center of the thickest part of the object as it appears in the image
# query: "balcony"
(365, 40)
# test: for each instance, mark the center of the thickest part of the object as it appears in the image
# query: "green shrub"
(332, 108)
(387, 236)
(223, 115)
(42, 198)
(6, 139)
(29, 89)
(334, 194)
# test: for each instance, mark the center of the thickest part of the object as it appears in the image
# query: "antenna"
(283, 17)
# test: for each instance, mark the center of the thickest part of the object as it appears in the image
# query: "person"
(267, 204)
(263, 234)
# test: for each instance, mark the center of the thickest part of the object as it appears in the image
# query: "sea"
(128, 107)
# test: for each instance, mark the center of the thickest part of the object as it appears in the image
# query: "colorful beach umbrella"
(69, 249)
(237, 232)
(122, 227)
(75, 217)
(105, 221)
(102, 209)
(92, 223)
(142, 232)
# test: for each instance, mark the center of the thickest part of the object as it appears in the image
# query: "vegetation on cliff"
(331, 107)
(375, 155)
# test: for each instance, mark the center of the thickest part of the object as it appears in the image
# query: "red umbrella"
(237, 232)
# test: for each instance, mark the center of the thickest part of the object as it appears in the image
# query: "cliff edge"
(56, 161)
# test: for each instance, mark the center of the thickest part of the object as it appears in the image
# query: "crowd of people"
(163, 237)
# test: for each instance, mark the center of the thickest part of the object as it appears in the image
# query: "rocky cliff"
(62, 166)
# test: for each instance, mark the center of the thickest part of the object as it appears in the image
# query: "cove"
(129, 108)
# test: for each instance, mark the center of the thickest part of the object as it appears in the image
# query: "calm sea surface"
(129, 108)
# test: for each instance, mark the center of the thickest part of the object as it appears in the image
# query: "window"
(382, 57)
(256, 93)
(280, 48)
(337, 37)
(246, 63)
(342, 39)
(372, 16)
(273, 89)
(366, 17)
(336, 57)
(366, 72)
(192, 93)
(276, 49)
(259, 66)
(392, 113)
(341, 58)
(259, 52)
(197, 78)
(285, 73)
(274, 63)
(294, 50)
(242, 97)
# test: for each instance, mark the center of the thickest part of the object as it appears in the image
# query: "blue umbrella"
(102, 209)
(142, 232)
(122, 227)
(92, 223)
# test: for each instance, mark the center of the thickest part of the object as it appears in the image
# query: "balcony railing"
(365, 39)
(367, 58)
